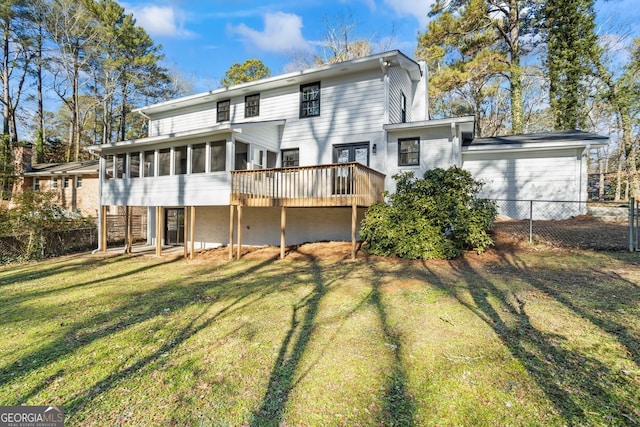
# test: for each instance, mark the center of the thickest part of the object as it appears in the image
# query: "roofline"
(530, 146)
(428, 123)
(403, 60)
(49, 173)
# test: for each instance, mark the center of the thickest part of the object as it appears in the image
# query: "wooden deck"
(343, 184)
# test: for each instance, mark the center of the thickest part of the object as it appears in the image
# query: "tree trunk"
(515, 70)
(40, 136)
(75, 114)
(6, 101)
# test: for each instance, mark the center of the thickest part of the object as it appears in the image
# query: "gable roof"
(70, 168)
(543, 140)
(380, 60)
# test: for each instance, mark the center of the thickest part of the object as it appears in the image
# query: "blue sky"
(202, 38)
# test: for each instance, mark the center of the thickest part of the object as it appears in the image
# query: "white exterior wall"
(261, 226)
(399, 83)
(558, 175)
(437, 150)
(351, 111)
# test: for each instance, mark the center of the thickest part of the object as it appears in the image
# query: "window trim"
(304, 103)
(249, 108)
(36, 183)
(78, 181)
(65, 181)
(54, 182)
(227, 114)
(412, 139)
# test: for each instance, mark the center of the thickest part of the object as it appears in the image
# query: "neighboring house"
(76, 184)
(291, 158)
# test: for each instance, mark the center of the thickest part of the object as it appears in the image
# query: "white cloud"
(163, 21)
(282, 33)
(419, 9)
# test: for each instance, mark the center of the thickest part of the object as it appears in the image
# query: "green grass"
(526, 338)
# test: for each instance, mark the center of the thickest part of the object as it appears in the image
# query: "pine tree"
(484, 38)
(572, 46)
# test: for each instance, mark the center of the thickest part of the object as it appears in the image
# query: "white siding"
(538, 175)
(182, 190)
(184, 120)
(400, 83)
(436, 151)
(261, 226)
(352, 110)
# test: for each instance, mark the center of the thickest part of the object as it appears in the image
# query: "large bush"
(438, 216)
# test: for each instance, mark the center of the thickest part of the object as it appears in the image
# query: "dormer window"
(310, 100)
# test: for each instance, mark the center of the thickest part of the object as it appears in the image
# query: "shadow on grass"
(282, 378)
(578, 386)
(398, 403)
(17, 273)
(140, 308)
(15, 299)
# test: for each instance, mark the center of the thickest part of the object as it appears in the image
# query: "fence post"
(530, 221)
(632, 207)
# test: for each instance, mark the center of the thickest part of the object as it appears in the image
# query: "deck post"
(192, 230)
(158, 230)
(354, 220)
(231, 212)
(239, 231)
(185, 232)
(283, 226)
(103, 228)
(128, 239)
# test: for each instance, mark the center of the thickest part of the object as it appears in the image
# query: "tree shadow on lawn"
(398, 404)
(16, 273)
(13, 300)
(140, 308)
(281, 380)
(576, 385)
(593, 295)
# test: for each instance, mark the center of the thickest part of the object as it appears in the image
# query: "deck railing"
(342, 184)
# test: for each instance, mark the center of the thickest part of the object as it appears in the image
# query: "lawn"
(514, 337)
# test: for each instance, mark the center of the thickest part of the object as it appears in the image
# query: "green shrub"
(436, 217)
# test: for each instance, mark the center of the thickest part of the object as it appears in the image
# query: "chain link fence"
(600, 226)
(48, 243)
(51, 243)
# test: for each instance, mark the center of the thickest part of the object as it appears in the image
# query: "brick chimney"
(22, 157)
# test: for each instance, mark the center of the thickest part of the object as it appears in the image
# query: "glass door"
(342, 179)
(174, 226)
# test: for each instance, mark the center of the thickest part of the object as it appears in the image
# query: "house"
(75, 184)
(288, 159)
